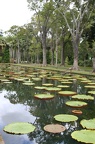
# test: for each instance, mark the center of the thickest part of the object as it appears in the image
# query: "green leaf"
(83, 97)
(19, 128)
(44, 96)
(65, 117)
(67, 93)
(85, 136)
(76, 103)
(88, 124)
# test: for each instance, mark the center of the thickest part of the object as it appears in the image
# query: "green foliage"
(6, 55)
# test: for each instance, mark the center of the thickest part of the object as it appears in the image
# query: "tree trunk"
(44, 47)
(52, 59)
(62, 54)
(75, 50)
(93, 61)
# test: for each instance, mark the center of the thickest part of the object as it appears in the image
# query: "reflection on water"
(17, 104)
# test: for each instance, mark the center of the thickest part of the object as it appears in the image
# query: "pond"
(19, 104)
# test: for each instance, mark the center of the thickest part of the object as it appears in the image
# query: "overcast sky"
(13, 12)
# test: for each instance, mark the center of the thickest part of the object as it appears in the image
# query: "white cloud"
(13, 12)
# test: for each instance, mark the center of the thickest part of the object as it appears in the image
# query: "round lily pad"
(91, 92)
(44, 96)
(54, 128)
(65, 117)
(77, 112)
(85, 136)
(76, 103)
(29, 84)
(19, 128)
(67, 93)
(62, 86)
(52, 89)
(89, 86)
(88, 124)
(40, 87)
(47, 84)
(36, 79)
(83, 97)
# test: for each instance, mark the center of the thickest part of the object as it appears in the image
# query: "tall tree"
(77, 16)
(43, 11)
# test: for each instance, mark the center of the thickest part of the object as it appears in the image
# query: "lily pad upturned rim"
(65, 117)
(54, 128)
(19, 128)
(85, 136)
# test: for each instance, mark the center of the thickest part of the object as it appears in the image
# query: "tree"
(77, 16)
(43, 11)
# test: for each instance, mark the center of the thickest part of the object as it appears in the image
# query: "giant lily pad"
(91, 92)
(90, 86)
(54, 128)
(76, 103)
(65, 117)
(88, 124)
(39, 87)
(44, 96)
(83, 97)
(63, 86)
(47, 84)
(67, 93)
(52, 89)
(29, 84)
(85, 136)
(1, 140)
(19, 128)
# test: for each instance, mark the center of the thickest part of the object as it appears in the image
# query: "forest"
(60, 32)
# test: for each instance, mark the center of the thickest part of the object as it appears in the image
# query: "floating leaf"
(89, 86)
(47, 84)
(29, 84)
(1, 140)
(91, 92)
(54, 128)
(88, 124)
(62, 86)
(83, 97)
(67, 93)
(65, 117)
(53, 89)
(77, 112)
(19, 128)
(85, 136)
(36, 79)
(39, 87)
(44, 96)
(76, 103)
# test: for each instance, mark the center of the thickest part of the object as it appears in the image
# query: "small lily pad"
(76, 103)
(85, 136)
(67, 93)
(77, 112)
(19, 128)
(88, 124)
(83, 97)
(54, 128)
(44, 96)
(65, 117)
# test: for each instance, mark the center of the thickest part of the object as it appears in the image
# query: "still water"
(18, 104)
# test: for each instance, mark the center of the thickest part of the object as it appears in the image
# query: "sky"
(14, 12)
